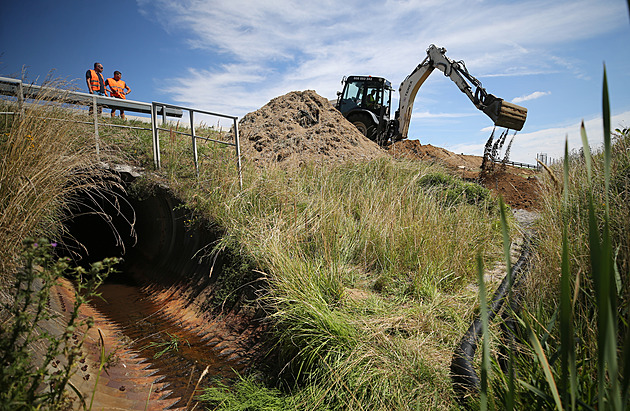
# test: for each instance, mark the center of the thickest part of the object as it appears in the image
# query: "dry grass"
(47, 161)
(317, 232)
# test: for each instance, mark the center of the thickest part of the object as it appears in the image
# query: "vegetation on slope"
(366, 265)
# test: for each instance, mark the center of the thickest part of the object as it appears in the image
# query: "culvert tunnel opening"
(158, 301)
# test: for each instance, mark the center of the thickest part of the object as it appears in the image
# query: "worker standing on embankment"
(96, 83)
(119, 89)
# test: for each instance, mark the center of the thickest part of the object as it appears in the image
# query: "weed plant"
(36, 362)
(170, 344)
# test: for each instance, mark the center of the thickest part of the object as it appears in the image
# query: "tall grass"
(573, 353)
(367, 267)
(46, 162)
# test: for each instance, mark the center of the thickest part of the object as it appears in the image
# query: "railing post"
(95, 112)
(194, 142)
(156, 136)
(238, 154)
(20, 98)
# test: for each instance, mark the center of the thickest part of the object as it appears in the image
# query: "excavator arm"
(501, 112)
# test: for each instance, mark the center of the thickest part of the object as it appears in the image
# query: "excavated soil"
(301, 127)
(518, 187)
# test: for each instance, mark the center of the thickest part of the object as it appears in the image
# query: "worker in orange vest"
(95, 82)
(119, 89)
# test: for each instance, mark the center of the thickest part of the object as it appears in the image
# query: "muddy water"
(173, 354)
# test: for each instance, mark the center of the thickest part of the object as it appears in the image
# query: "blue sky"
(234, 56)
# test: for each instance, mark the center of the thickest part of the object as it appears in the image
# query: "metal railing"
(517, 164)
(191, 112)
(21, 91)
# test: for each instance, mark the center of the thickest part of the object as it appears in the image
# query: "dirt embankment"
(518, 187)
(302, 126)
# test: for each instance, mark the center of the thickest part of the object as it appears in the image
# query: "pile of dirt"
(518, 191)
(301, 127)
(412, 149)
(518, 187)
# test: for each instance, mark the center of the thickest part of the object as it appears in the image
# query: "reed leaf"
(485, 362)
(544, 363)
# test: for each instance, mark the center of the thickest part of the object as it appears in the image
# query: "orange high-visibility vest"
(96, 80)
(117, 87)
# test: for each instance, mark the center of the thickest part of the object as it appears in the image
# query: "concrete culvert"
(167, 315)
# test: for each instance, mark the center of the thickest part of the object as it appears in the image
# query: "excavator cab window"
(386, 101)
(352, 96)
(365, 93)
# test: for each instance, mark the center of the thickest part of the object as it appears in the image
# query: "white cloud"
(428, 115)
(276, 47)
(531, 96)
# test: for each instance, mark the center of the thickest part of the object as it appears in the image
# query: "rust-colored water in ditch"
(174, 351)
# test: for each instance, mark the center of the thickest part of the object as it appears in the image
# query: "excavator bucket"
(505, 114)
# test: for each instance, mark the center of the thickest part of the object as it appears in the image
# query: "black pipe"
(463, 374)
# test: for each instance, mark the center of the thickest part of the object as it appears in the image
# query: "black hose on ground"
(465, 379)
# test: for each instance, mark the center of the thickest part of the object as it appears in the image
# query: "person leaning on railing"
(119, 89)
(96, 83)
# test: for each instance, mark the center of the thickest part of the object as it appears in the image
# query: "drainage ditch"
(158, 317)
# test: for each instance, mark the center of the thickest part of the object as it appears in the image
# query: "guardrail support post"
(238, 154)
(156, 137)
(20, 98)
(96, 137)
(194, 142)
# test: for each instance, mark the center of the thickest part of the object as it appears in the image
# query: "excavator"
(365, 101)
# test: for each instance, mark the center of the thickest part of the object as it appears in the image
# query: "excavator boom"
(501, 112)
(366, 100)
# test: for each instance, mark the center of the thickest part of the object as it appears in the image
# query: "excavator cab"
(366, 102)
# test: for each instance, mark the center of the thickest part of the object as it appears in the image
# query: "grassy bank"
(369, 268)
(367, 264)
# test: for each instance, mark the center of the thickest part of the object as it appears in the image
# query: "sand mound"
(301, 127)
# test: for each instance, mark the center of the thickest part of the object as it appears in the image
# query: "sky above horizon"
(232, 57)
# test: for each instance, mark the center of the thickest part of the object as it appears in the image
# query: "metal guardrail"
(517, 164)
(164, 108)
(22, 91)
(16, 88)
